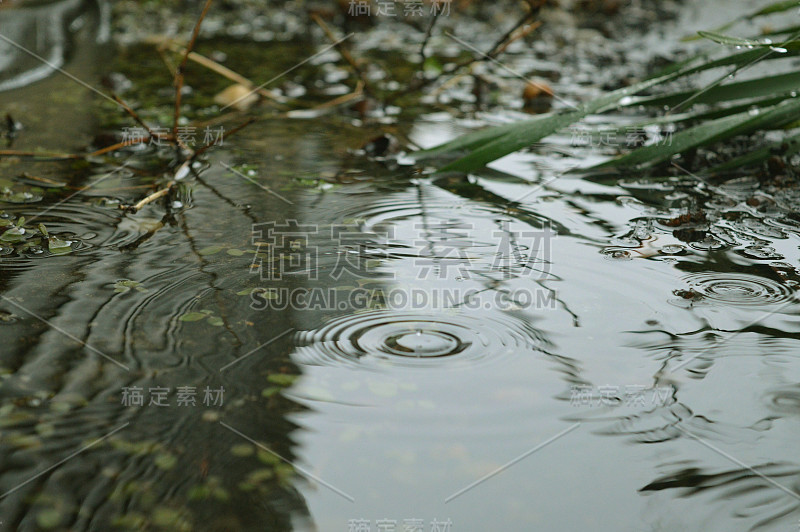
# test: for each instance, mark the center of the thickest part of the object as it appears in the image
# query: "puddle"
(305, 337)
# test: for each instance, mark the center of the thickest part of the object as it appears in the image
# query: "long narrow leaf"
(510, 138)
(777, 7)
(788, 146)
(708, 133)
(735, 41)
(472, 140)
(753, 88)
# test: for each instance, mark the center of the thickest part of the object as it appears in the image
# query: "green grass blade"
(735, 41)
(494, 143)
(708, 133)
(787, 147)
(754, 88)
(777, 7)
(472, 140)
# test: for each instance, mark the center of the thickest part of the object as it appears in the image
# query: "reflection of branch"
(136, 117)
(179, 74)
(534, 7)
(344, 53)
(225, 136)
(428, 37)
(226, 72)
(341, 100)
(53, 156)
(148, 235)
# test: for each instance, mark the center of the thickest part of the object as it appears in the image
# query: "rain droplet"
(673, 249)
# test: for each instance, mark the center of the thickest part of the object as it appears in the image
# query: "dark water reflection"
(385, 344)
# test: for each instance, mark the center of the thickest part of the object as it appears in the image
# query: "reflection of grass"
(731, 109)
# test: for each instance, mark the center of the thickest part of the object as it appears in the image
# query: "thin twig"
(521, 34)
(135, 116)
(160, 48)
(357, 93)
(226, 72)
(494, 51)
(344, 53)
(49, 155)
(428, 36)
(534, 7)
(151, 198)
(233, 131)
(50, 182)
(114, 147)
(179, 74)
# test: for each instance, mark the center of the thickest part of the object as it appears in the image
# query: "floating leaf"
(269, 392)
(260, 475)
(216, 321)
(14, 234)
(242, 449)
(193, 316)
(58, 246)
(124, 285)
(282, 379)
(49, 518)
(130, 520)
(210, 250)
(199, 493)
(169, 518)
(165, 461)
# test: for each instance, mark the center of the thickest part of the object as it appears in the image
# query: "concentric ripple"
(738, 289)
(414, 339)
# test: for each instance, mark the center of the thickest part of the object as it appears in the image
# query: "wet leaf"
(49, 518)
(14, 234)
(58, 246)
(130, 520)
(199, 493)
(731, 41)
(282, 379)
(210, 250)
(269, 392)
(169, 518)
(242, 449)
(193, 316)
(124, 285)
(267, 458)
(165, 461)
(237, 96)
(260, 475)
